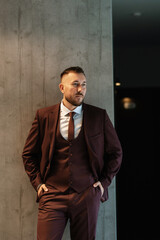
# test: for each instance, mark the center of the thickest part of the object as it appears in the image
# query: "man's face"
(73, 87)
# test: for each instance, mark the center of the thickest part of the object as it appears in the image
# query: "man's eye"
(75, 84)
(83, 85)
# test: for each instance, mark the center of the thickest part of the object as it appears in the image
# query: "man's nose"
(79, 88)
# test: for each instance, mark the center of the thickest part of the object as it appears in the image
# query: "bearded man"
(71, 155)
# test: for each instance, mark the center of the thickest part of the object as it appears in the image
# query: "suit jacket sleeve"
(112, 154)
(32, 153)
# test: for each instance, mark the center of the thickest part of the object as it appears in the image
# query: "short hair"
(72, 69)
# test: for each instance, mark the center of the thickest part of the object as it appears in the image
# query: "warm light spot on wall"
(118, 84)
(128, 103)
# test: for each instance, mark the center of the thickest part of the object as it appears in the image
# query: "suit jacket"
(104, 149)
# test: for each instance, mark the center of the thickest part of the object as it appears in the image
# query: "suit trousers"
(56, 208)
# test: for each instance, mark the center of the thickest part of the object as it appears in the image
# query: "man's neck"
(68, 105)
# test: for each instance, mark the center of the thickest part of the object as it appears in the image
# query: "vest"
(70, 166)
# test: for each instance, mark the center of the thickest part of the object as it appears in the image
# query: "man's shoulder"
(47, 110)
(93, 108)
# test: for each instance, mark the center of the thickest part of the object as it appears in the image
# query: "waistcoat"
(70, 166)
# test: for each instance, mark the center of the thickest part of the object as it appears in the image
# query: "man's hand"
(42, 188)
(100, 186)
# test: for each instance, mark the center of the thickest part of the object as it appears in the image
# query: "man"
(71, 155)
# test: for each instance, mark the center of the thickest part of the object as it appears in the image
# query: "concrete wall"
(38, 39)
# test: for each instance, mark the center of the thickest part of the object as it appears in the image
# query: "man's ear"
(61, 87)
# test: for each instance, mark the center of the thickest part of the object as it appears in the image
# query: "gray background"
(38, 39)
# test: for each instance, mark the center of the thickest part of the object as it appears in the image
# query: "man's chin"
(76, 103)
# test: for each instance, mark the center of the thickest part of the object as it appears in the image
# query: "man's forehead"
(72, 76)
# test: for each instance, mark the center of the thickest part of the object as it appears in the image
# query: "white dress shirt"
(64, 120)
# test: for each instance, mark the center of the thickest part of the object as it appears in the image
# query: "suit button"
(71, 154)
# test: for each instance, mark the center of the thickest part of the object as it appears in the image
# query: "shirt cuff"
(39, 186)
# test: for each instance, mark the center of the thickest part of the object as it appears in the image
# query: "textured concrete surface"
(38, 39)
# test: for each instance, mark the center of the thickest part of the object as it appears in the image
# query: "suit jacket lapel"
(53, 120)
(86, 121)
(87, 127)
(88, 131)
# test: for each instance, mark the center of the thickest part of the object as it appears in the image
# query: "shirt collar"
(65, 110)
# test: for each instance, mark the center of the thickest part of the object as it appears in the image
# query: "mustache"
(79, 94)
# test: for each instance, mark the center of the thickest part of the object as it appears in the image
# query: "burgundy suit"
(103, 147)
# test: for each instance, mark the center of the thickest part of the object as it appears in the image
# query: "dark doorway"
(138, 127)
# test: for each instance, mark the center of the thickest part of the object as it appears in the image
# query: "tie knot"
(71, 114)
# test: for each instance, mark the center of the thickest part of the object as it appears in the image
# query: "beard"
(75, 102)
